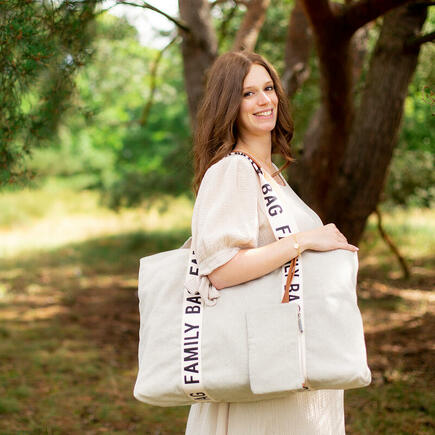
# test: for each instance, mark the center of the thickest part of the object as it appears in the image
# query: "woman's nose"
(263, 98)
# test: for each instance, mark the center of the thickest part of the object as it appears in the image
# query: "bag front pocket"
(273, 347)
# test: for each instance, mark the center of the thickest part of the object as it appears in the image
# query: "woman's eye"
(267, 88)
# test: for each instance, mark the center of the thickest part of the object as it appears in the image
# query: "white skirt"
(303, 413)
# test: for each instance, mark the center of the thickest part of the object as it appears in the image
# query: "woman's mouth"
(265, 114)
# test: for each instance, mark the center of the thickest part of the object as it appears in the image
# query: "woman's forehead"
(257, 76)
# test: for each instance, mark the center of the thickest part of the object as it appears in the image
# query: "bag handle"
(292, 267)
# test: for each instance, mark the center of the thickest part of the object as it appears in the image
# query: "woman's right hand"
(326, 238)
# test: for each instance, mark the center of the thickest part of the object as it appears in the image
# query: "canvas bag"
(250, 346)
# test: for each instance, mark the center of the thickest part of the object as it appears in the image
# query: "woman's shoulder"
(230, 176)
(234, 165)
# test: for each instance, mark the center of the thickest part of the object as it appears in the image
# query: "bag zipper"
(302, 356)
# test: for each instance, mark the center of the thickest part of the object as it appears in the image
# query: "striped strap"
(193, 307)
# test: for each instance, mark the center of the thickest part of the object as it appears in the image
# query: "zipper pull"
(301, 329)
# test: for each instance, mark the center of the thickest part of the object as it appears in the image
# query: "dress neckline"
(266, 171)
(280, 176)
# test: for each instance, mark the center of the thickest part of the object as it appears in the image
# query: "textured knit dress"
(229, 214)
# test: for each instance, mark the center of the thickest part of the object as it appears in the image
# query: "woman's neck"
(261, 151)
(259, 147)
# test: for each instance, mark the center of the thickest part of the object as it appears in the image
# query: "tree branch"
(318, 12)
(146, 110)
(425, 4)
(387, 239)
(101, 11)
(416, 42)
(146, 5)
(238, 2)
(356, 15)
(217, 2)
(223, 28)
(247, 35)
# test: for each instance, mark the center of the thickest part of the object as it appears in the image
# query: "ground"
(69, 321)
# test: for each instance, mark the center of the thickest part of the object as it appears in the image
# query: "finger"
(342, 235)
(348, 247)
(352, 247)
(342, 238)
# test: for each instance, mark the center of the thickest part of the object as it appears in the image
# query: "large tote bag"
(249, 346)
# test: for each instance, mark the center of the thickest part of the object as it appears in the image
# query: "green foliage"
(273, 35)
(151, 163)
(104, 144)
(129, 161)
(227, 18)
(155, 158)
(106, 92)
(42, 44)
(411, 179)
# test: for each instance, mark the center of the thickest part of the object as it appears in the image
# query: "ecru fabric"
(229, 214)
(264, 358)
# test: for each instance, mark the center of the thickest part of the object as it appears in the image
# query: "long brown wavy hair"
(216, 119)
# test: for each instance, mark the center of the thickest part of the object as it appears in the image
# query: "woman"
(245, 109)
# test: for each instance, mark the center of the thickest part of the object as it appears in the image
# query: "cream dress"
(229, 214)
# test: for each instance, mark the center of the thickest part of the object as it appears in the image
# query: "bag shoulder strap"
(292, 266)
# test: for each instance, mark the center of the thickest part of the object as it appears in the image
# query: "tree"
(108, 141)
(343, 158)
(42, 44)
(349, 143)
(348, 147)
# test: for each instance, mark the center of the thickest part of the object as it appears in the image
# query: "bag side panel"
(161, 279)
(335, 348)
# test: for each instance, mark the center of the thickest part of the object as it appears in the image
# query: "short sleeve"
(225, 215)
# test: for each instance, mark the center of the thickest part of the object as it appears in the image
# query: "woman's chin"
(264, 127)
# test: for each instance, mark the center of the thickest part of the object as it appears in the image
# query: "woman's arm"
(249, 264)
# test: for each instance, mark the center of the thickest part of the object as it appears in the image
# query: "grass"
(69, 320)
(53, 216)
(69, 344)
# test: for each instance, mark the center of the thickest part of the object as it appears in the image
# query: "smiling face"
(259, 106)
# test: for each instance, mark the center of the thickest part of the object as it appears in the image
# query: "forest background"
(95, 169)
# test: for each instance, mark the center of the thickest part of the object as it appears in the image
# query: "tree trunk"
(377, 122)
(247, 35)
(346, 151)
(346, 154)
(327, 135)
(198, 47)
(358, 53)
(297, 51)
